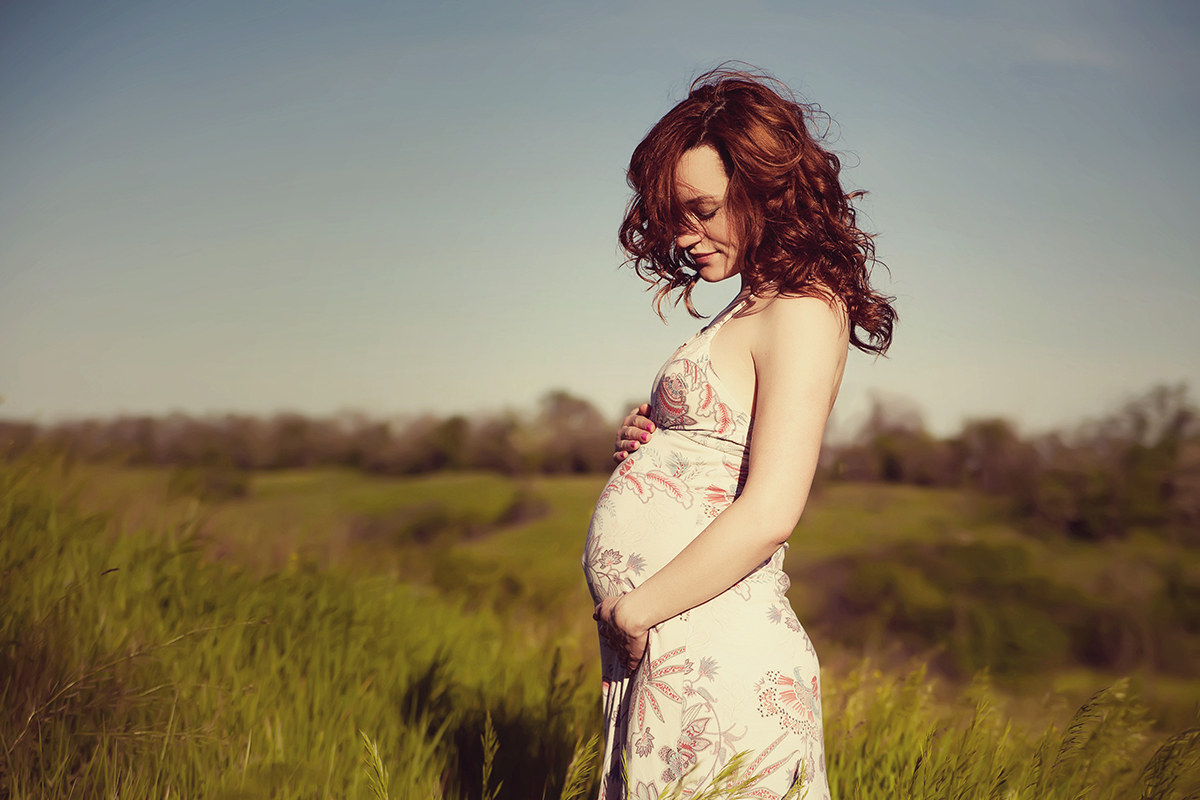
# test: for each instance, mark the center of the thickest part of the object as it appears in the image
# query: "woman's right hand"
(634, 432)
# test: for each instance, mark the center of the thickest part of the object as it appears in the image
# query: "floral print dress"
(736, 674)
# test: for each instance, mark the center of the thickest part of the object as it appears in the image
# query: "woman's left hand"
(627, 639)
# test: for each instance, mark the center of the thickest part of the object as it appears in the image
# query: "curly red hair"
(795, 225)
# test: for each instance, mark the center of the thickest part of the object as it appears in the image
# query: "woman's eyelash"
(706, 216)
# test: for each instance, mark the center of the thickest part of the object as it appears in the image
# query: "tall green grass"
(889, 737)
(133, 664)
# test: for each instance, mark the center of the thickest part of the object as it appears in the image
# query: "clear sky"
(255, 205)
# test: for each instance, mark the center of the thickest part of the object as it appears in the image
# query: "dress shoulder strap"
(725, 315)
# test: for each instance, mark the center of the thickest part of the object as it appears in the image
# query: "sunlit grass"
(170, 647)
(136, 653)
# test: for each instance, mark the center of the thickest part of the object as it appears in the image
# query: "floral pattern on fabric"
(735, 674)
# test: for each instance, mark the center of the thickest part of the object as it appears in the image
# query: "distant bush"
(1137, 468)
(974, 606)
(209, 483)
(432, 521)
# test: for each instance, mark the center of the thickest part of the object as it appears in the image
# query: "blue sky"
(391, 207)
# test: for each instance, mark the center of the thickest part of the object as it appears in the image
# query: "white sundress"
(735, 674)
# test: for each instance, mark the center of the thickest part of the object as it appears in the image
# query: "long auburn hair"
(795, 226)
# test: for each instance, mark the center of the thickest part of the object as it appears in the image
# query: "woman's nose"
(687, 239)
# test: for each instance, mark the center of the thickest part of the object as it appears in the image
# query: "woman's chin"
(715, 273)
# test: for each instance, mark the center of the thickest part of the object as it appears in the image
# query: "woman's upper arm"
(799, 353)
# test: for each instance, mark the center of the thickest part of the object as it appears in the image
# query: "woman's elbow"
(773, 519)
(779, 532)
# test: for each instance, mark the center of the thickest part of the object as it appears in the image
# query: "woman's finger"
(629, 650)
(633, 434)
(634, 651)
(644, 424)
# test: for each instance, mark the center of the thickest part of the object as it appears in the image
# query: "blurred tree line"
(1136, 468)
(1139, 467)
(565, 435)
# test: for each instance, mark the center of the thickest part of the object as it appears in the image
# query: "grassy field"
(325, 634)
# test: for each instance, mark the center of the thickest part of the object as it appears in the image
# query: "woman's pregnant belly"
(656, 502)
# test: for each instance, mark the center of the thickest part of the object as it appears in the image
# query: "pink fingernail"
(645, 437)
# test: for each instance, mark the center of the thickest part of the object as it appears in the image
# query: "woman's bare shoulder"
(807, 315)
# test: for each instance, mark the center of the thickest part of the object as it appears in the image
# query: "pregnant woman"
(703, 657)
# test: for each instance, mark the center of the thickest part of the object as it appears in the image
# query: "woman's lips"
(699, 257)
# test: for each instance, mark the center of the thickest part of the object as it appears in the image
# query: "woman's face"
(709, 239)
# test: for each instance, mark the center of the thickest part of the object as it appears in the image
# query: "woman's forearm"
(737, 541)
